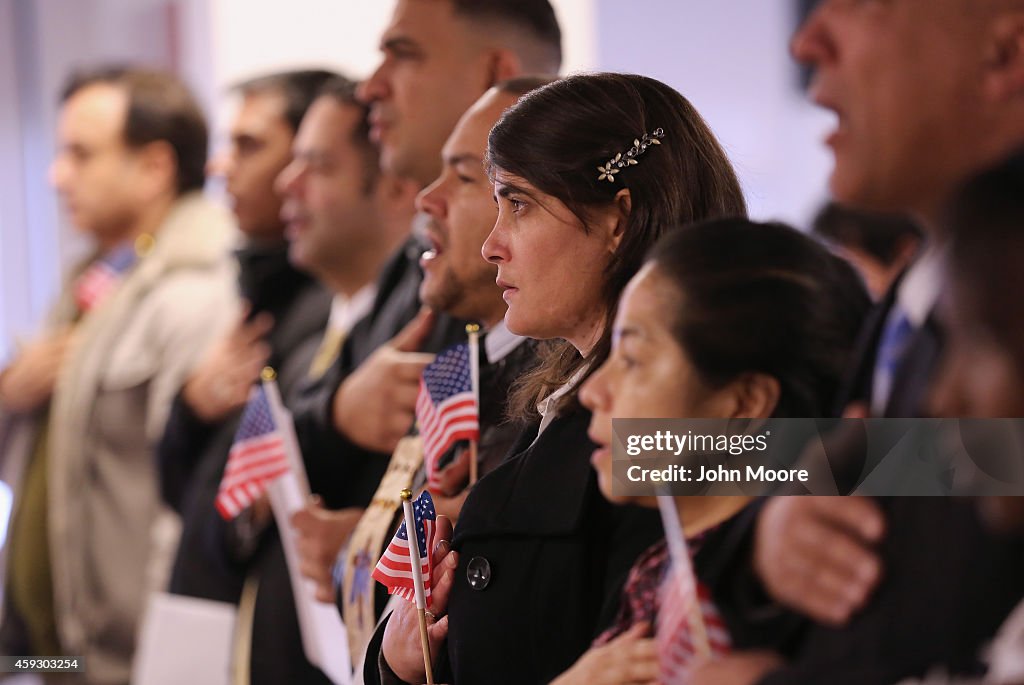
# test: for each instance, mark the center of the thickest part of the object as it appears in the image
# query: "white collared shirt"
(346, 311)
(500, 341)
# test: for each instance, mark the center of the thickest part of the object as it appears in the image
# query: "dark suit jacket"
(343, 473)
(912, 379)
(300, 308)
(192, 453)
(558, 554)
(947, 587)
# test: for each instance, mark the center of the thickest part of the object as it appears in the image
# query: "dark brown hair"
(298, 88)
(343, 91)
(534, 20)
(882, 236)
(160, 108)
(557, 136)
(763, 298)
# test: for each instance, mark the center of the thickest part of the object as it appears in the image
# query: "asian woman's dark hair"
(556, 137)
(763, 298)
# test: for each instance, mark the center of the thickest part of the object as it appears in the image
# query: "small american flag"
(446, 408)
(681, 593)
(394, 569)
(103, 276)
(256, 458)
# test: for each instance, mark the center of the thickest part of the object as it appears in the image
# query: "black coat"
(498, 433)
(557, 553)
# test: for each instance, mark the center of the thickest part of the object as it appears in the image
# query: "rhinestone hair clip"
(622, 160)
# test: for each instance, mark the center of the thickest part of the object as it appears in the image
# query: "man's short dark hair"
(534, 19)
(299, 89)
(343, 91)
(521, 85)
(160, 108)
(883, 236)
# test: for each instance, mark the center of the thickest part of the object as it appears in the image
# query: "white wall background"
(730, 59)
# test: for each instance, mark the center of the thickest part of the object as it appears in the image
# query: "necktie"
(892, 349)
(330, 347)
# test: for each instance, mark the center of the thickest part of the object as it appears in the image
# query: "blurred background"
(729, 58)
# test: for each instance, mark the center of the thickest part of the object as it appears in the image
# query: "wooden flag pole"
(679, 554)
(473, 331)
(417, 578)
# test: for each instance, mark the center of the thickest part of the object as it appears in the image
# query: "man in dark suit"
(286, 306)
(927, 92)
(459, 282)
(342, 218)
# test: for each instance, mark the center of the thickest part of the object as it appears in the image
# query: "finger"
(404, 397)
(835, 550)
(411, 338)
(439, 593)
(408, 367)
(858, 514)
(255, 328)
(443, 528)
(644, 669)
(399, 423)
(302, 521)
(454, 477)
(636, 631)
(439, 630)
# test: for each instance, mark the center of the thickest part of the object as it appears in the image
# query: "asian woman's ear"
(753, 396)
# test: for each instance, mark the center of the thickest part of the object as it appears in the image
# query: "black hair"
(557, 136)
(763, 298)
(299, 89)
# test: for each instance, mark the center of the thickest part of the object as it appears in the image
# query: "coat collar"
(544, 490)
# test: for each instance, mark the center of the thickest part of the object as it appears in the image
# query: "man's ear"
(1004, 77)
(504, 65)
(623, 206)
(395, 196)
(158, 166)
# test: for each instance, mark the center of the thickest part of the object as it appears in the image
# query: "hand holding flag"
(420, 517)
(395, 569)
(446, 408)
(257, 457)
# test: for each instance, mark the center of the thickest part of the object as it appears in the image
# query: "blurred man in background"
(83, 406)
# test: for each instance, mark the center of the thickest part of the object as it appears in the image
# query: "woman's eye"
(628, 362)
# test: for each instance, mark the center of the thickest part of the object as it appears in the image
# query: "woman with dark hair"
(588, 173)
(727, 319)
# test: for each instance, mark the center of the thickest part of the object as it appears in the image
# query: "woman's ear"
(619, 217)
(753, 396)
